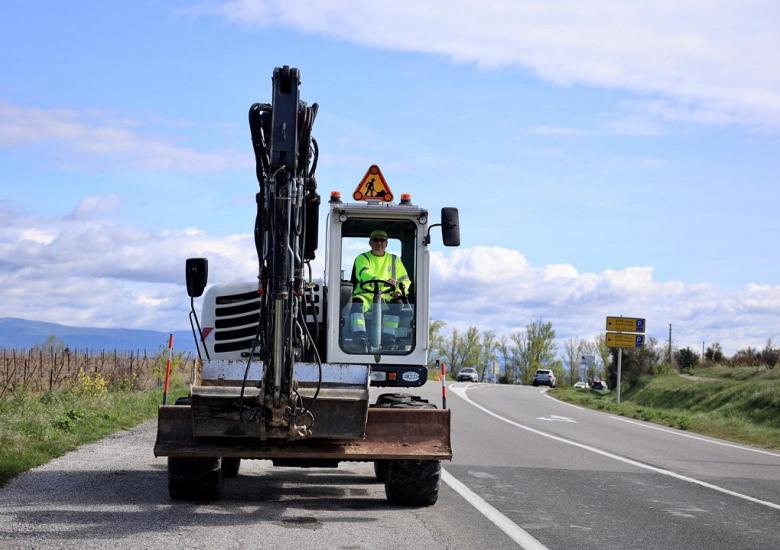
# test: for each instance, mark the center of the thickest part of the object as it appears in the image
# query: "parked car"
(544, 377)
(467, 374)
(599, 385)
(581, 386)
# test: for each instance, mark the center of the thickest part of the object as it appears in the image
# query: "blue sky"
(606, 159)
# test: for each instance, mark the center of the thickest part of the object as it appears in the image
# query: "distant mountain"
(22, 333)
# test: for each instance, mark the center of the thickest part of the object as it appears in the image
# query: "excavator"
(283, 373)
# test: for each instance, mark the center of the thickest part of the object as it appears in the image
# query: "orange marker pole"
(443, 371)
(168, 369)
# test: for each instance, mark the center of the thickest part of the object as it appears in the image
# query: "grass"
(739, 405)
(36, 428)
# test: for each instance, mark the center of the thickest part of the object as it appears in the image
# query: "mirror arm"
(427, 238)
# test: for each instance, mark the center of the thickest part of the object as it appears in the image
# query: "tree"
(636, 362)
(448, 349)
(469, 350)
(541, 345)
(558, 369)
(436, 340)
(487, 352)
(602, 350)
(748, 357)
(504, 351)
(770, 355)
(714, 353)
(519, 353)
(461, 350)
(687, 359)
(532, 348)
(573, 348)
(51, 344)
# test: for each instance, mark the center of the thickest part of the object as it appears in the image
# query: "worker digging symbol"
(373, 186)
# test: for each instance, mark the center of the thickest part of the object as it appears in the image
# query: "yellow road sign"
(627, 341)
(626, 324)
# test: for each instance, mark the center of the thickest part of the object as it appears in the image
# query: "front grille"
(232, 322)
(238, 310)
(232, 299)
(235, 323)
(235, 326)
(234, 346)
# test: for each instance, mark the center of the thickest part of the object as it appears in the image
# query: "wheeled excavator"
(283, 376)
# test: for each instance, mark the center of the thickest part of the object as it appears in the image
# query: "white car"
(581, 386)
(467, 374)
(544, 377)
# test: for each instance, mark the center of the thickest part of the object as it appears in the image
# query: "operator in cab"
(393, 284)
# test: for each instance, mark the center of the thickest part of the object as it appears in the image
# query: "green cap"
(378, 233)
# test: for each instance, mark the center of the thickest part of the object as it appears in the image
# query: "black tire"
(230, 467)
(380, 470)
(408, 482)
(535, 383)
(413, 482)
(196, 479)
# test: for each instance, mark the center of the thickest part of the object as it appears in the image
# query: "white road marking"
(662, 429)
(563, 402)
(556, 418)
(461, 392)
(691, 436)
(509, 527)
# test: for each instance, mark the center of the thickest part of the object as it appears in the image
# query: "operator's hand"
(397, 291)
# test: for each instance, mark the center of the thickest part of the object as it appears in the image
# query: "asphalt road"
(528, 470)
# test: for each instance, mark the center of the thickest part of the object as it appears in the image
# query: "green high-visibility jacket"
(368, 267)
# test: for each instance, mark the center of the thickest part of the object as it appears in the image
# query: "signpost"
(626, 324)
(624, 336)
(625, 341)
(587, 360)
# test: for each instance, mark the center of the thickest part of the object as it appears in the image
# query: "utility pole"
(670, 344)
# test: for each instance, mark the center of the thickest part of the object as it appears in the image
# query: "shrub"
(687, 359)
(90, 384)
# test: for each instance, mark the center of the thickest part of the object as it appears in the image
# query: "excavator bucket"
(414, 434)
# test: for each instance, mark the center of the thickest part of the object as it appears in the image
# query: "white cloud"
(88, 270)
(716, 58)
(497, 288)
(95, 206)
(94, 271)
(89, 140)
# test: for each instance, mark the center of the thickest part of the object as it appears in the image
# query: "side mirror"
(450, 226)
(197, 274)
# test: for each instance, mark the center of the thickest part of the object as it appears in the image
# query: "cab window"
(378, 304)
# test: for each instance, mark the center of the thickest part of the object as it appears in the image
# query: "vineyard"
(38, 370)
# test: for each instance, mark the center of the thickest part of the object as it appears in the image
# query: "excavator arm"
(285, 237)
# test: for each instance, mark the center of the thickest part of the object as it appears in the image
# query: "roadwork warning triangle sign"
(373, 187)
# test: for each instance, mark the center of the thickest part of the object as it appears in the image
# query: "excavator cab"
(375, 320)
